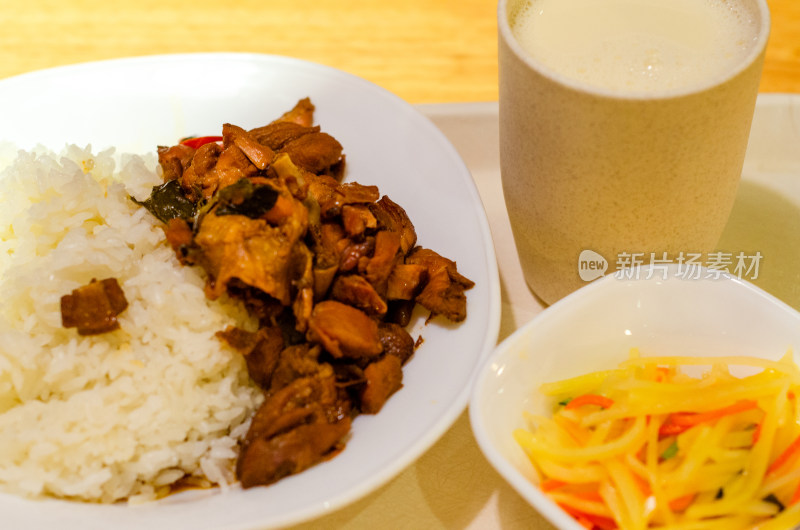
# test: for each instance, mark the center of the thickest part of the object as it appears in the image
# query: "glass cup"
(595, 178)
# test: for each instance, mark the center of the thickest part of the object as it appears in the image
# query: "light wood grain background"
(425, 51)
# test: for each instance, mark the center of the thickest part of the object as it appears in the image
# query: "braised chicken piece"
(295, 402)
(174, 160)
(249, 250)
(314, 152)
(443, 293)
(260, 155)
(300, 425)
(232, 166)
(383, 260)
(199, 180)
(279, 133)
(263, 307)
(93, 308)
(180, 237)
(261, 349)
(267, 460)
(344, 331)
(392, 217)
(301, 114)
(356, 291)
(332, 196)
(357, 219)
(325, 238)
(330, 270)
(383, 377)
(355, 193)
(405, 281)
(294, 362)
(324, 190)
(233, 245)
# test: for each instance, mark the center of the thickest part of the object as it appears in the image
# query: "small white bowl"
(594, 328)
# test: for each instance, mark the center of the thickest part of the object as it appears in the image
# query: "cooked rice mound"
(125, 414)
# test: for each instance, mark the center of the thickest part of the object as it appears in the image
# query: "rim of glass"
(761, 9)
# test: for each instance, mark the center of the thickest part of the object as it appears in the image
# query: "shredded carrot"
(589, 399)
(670, 429)
(579, 516)
(551, 484)
(796, 496)
(603, 523)
(696, 418)
(679, 422)
(584, 522)
(643, 485)
(679, 504)
(785, 456)
(589, 495)
(590, 521)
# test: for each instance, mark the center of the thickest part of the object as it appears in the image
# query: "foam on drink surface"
(637, 45)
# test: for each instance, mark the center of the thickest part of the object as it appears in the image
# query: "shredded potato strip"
(648, 446)
(644, 401)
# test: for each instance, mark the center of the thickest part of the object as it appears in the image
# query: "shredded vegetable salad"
(652, 444)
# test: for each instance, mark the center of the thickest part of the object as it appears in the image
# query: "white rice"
(124, 414)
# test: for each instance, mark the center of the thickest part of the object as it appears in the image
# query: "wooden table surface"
(440, 51)
(423, 51)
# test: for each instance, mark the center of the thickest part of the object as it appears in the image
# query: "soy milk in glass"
(623, 128)
(637, 45)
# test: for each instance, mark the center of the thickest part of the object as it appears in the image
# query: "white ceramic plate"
(136, 104)
(594, 328)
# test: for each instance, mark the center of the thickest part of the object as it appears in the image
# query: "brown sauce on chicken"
(331, 270)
